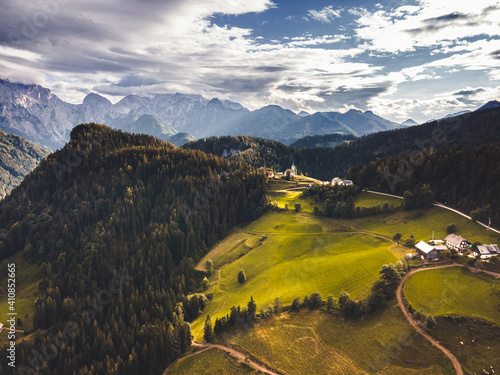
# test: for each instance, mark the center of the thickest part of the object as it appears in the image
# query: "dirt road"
(434, 342)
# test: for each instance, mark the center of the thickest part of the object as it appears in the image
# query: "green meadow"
(455, 291)
(293, 255)
(366, 199)
(421, 223)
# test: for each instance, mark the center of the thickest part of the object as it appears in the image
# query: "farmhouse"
(337, 181)
(426, 251)
(270, 174)
(486, 251)
(458, 243)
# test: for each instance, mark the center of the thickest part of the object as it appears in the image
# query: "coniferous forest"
(117, 222)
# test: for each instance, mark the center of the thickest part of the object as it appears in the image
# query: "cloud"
(325, 15)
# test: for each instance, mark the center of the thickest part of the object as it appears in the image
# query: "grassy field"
(27, 279)
(365, 199)
(476, 344)
(314, 342)
(421, 223)
(212, 361)
(455, 291)
(297, 254)
(292, 197)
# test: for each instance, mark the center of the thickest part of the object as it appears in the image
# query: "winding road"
(433, 341)
(241, 357)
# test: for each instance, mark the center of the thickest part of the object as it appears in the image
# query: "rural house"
(458, 243)
(337, 181)
(486, 251)
(426, 251)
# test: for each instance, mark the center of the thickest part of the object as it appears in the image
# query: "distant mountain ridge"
(18, 157)
(34, 112)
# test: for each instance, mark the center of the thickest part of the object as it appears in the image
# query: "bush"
(451, 228)
(242, 277)
(298, 207)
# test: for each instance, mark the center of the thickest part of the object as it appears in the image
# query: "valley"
(289, 254)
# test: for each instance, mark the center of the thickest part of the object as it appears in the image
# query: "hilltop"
(126, 208)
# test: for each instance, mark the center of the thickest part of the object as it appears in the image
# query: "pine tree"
(208, 332)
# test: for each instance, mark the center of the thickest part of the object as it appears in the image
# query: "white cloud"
(325, 15)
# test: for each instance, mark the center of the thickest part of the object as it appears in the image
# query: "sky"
(418, 59)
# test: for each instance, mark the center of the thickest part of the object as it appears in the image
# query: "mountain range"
(18, 157)
(37, 114)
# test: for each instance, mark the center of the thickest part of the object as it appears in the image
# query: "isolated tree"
(242, 277)
(210, 266)
(286, 205)
(208, 332)
(298, 207)
(316, 210)
(397, 237)
(205, 283)
(251, 308)
(451, 228)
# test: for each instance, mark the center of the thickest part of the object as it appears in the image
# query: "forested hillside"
(18, 157)
(473, 129)
(465, 177)
(116, 222)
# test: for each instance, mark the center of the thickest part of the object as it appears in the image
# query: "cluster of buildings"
(292, 171)
(431, 252)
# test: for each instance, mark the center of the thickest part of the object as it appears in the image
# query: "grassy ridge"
(454, 291)
(313, 342)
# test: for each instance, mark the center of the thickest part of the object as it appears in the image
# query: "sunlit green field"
(298, 257)
(421, 223)
(365, 199)
(455, 291)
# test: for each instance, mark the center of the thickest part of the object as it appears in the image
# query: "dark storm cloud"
(496, 54)
(244, 84)
(136, 80)
(295, 88)
(447, 18)
(468, 92)
(437, 23)
(270, 69)
(358, 97)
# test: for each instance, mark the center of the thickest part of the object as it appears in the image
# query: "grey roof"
(455, 239)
